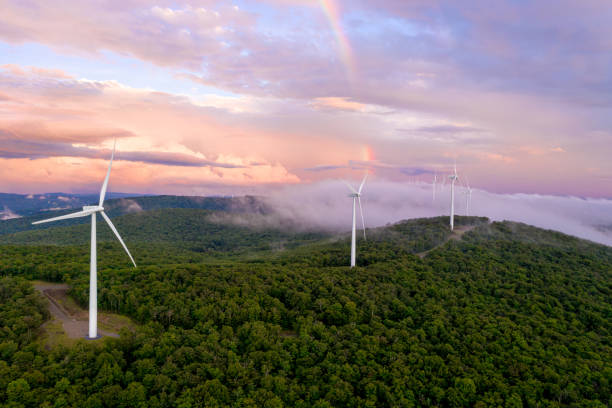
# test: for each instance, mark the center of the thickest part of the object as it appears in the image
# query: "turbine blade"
(112, 227)
(350, 187)
(362, 183)
(65, 217)
(362, 219)
(105, 184)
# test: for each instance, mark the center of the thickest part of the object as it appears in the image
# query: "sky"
(235, 97)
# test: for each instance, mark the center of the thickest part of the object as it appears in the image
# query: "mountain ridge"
(244, 314)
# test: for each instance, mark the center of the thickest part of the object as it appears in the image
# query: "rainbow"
(368, 153)
(346, 53)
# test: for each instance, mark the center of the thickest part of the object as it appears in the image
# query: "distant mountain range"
(20, 205)
(24, 210)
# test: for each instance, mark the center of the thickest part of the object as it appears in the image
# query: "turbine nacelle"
(454, 176)
(93, 208)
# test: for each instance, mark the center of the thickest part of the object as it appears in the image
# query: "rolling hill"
(239, 308)
(122, 206)
(23, 205)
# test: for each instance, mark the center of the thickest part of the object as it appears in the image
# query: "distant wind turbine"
(93, 283)
(435, 179)
(453, 178)
(356, 195)
(468, 197)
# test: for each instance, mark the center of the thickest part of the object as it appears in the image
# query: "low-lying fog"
(326, 204)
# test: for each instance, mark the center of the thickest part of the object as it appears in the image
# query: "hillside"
(267, 316)
(20, 205)
(122, 206)
(199, 230)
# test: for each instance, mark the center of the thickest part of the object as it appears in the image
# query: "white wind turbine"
(435, 179)
(453, 178)
(93, 283)
(468, 197)
(356, 195)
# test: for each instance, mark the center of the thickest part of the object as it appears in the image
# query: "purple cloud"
(16, 148)
(537, 79)
(445, 129)
(325, 168)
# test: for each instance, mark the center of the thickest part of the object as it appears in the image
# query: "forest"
(270, 316)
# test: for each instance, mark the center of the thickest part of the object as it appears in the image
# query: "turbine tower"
(453, 178)
(468, 197)
(356, 195)
(93, 279)
(435, 179)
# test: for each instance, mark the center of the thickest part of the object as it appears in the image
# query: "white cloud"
(8, 214)
(327, 205)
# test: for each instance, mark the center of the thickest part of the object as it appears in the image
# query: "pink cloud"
(285, 138)
(218, 42)
(79, 174)
(169, 142)
(332, 102)
(44, 72)
(127, 27)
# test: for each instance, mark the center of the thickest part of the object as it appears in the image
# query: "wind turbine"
(435, 179)
(93, 279)
(453, 178)
(356, 195)
(468, 197)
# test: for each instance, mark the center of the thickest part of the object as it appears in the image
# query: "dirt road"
(75, 322)
(456, 235)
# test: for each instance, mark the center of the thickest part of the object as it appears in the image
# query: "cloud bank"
(327, 205)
